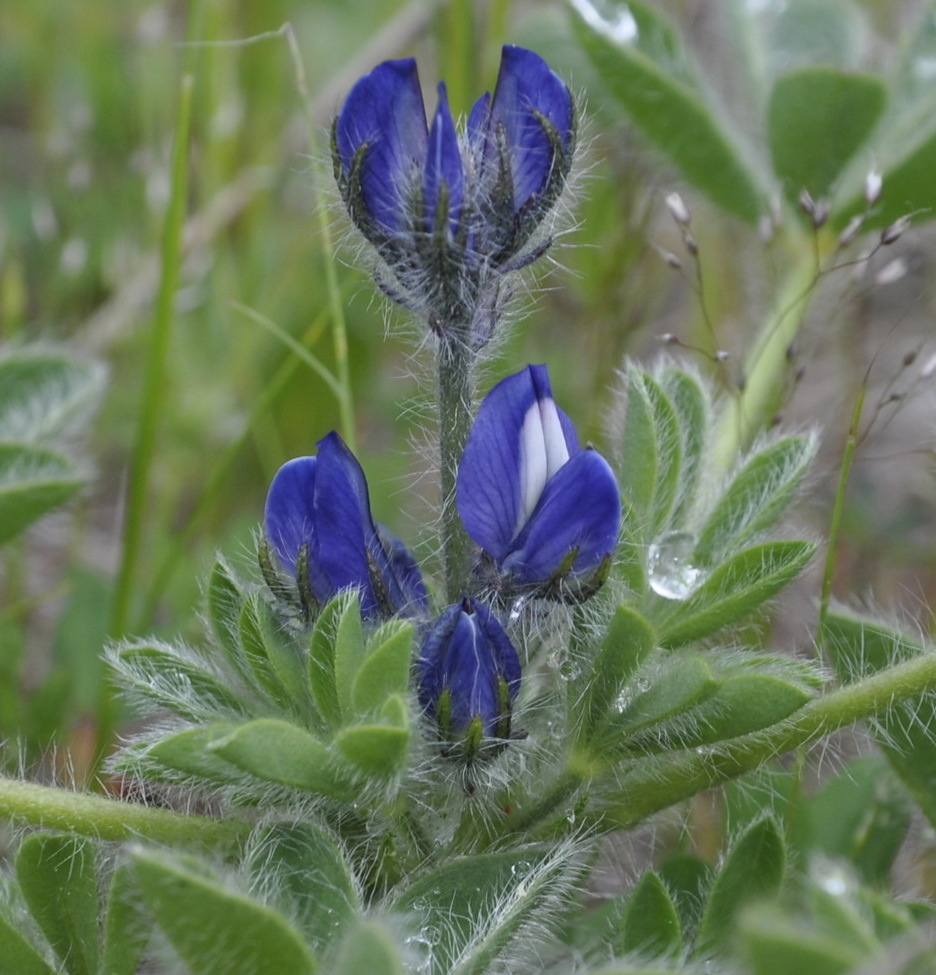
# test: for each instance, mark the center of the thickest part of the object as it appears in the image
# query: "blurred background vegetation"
(89, 101)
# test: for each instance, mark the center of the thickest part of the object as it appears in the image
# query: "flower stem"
(109, 819)
(658, 782)
(455, 396)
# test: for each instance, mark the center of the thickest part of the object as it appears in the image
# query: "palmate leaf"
(476, 906)
(859, 647)
(818, 118)
(649, 73)
(17, 955)
(757, 495)
(33, 482)
(303, 872)
(754, 869)
(45, 393)
(58, 877)
(732, 591)
(217, 930)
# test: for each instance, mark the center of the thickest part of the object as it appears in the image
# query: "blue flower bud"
(449, 212)
(468, 677)
(319, 524)
(547, 511)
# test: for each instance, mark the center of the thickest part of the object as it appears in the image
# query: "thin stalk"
(109, 819)
(848, 457)
(455, 395)
(155, 390)
(658, 782)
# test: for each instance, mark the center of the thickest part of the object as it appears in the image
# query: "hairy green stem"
(110, 819)
(455, 396)
(658, 782)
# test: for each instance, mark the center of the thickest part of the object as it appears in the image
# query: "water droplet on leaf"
(672, 574)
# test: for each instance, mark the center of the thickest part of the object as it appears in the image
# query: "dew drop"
(832, 877)
(672, 574)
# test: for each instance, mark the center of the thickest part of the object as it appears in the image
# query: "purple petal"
(580, 508)
(520, 438)
(527, 88)
(467, 652)
(385, 111)
(401, 574)
(344, 530)
(289, 515)
(443, 166)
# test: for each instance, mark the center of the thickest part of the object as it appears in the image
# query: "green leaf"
(858, 647)
(301, 867)
(650, 453)
(482, 902)
(651, 77)
(861, 815)
(385, 670)
(691, 404)
(215, 930)
(735, 589)
(33, 481)
(754, 869)
(277, 751)
(126, 926)
(745, 703)
(58, 878)
(256, 644)
(45, 393)
(651, 924)
(818, 119)
(349, 651)
(756, 497)
(189, 752)
(628, 641)
(224, 600)
(369, 950)
(802, 33)
(160, 674)
(322, 680)
(17, 955)
(777, 945)
(681, 683)
(378, 749)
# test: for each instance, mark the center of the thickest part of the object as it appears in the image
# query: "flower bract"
(319, 524)
(541, 506)
(468, 676)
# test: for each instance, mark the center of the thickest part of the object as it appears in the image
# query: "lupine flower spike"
(468, 677)
(546, 511)
(451, 212)
(319, 524)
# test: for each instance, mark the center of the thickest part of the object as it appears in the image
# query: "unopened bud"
(893, 232)
(807, 203)
(669, 338)
(690, 243)
(929, 367)
(678, 209)
(721, 355)
(671, 259)
(849, 234)
(872, 187)
(820, 213)
(909, 357)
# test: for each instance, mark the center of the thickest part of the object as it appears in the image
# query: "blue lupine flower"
(449, 212)
(468, 676)
(542, 507)
(318, 518)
